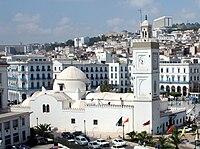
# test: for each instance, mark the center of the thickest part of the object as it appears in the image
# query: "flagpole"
(123, 130)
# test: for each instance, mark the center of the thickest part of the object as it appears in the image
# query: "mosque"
(71, 107)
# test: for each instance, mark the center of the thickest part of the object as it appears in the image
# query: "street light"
(37, 120)
(84, 126)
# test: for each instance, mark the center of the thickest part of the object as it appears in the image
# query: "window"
(178, 78)
(115, 75)
(115, 68)
(73, 121)
(16, 137)
(7, 140)
(172, 78)
(162, 78)
(43, 108)
(38, 84)
(24, 135)
(15, 123)
(178, 70)
(61, 87)
(161, 70)
(167, 70)
(121, 75)
(32, 85)
(48, 108)
(23, 121)
(55, 68)
(22, 68)
(7, 125)
(111, 75)
(95, 122)
(184, 78)
(172, 69)
(183, 70)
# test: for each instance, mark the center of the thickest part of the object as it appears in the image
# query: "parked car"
(67, 135)
(93, 145)
(85, 137)
(81, 140)
(103, 142)
(117, 146)
(187, 129)
(77, 133)
(40, 140)
(118, 141)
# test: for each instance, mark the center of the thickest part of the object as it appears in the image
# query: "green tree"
(142, 136)
(175, 138)
(43, 129)
(162, 140)
(105, 87)
(132, 135)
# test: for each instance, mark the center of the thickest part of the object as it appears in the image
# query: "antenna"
(140, 11)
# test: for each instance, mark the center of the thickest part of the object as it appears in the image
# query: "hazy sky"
(30, 21)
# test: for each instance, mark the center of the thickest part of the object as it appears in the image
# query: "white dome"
(72, 73)
(26, 103)
(145, 23)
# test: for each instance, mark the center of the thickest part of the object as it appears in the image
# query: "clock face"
(155, 61)
(141, 60)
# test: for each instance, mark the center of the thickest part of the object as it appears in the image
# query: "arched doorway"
(184, 90)
(167, 88)
(179, 89)
(173, 88)
(23, 97)
(162, 88)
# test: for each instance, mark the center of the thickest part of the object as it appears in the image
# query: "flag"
(127, 120)
(147, 123)
(183, 132)
(159, 127)
(170, 129)
(119, 123)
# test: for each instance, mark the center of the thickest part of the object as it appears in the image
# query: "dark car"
(77, 133)
(67, 135)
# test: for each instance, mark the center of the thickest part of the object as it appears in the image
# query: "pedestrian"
(144, 144)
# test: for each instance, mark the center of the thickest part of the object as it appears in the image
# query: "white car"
(117, 146)
(103, 142)
(81, 140)
(94, 145)
(118, 141)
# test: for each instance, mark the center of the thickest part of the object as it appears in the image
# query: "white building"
(27, 74)
(14, 126)
(180, 76)
(98, 114)
(118, 77)
(163, 22)
(81, 41)
(96, 72)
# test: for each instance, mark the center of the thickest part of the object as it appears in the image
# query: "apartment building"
(27, 74)
(180, 76)
(14, 126)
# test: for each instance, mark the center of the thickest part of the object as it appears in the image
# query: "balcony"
(23, 79)
(49, 78)
(173, 82)
(43, 69)
(37, 69)
(38, 78)
(32, 78)
(31, 69)
(92, 78)
(12, 78)
(48, 69)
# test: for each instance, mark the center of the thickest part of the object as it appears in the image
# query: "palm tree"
(175, 138)
(162, 141)
(142, 137)
(132, 135)
(42, 129)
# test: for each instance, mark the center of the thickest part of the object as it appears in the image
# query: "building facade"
(27, 74)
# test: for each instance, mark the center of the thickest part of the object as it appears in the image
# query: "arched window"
(48, 108)
(43, 108)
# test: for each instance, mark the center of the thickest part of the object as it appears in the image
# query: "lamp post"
(84, 126)
(37, 120)
(196, 137)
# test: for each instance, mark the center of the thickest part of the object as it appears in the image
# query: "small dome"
(72, 73)
(26, 103)
(145, 23)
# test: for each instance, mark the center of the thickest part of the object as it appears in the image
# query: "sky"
(40, 21)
